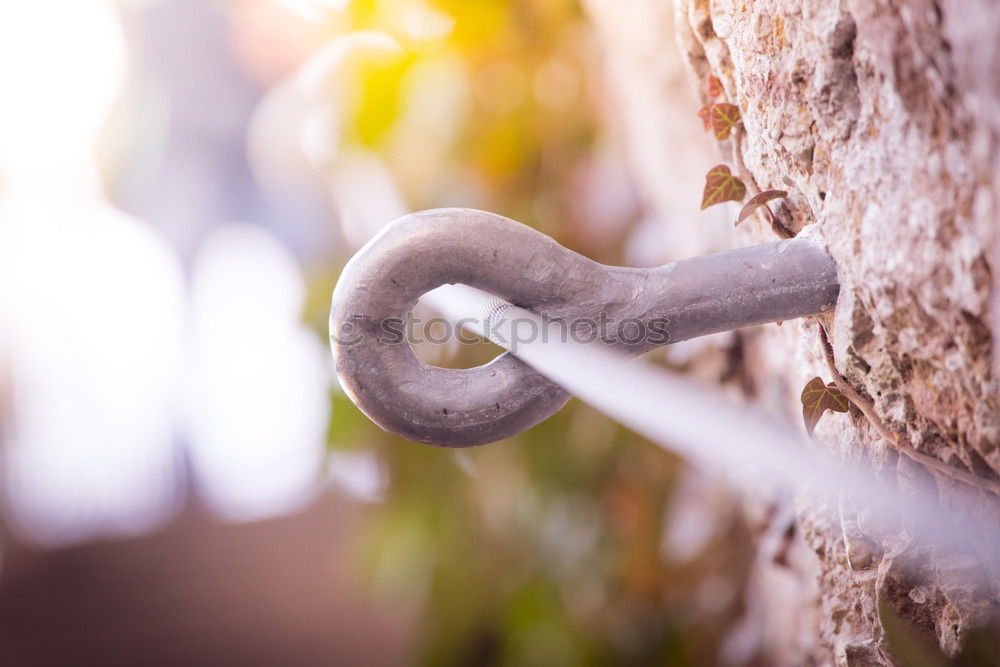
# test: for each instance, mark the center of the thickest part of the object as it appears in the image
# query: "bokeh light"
(180, 183)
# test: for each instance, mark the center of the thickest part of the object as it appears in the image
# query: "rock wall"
(882, 120)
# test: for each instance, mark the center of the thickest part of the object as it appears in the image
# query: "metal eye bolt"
(465, 407)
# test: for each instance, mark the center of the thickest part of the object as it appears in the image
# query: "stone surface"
(882, 120)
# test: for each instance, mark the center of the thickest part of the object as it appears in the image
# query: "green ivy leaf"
(714, 87)
(724, 117)
(720, 186)
(705, 113)
(817, 398)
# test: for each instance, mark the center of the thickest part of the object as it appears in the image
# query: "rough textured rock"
(882, 119)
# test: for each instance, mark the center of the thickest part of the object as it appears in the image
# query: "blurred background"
(183, 481)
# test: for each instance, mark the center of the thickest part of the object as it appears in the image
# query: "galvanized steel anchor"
(465, 407)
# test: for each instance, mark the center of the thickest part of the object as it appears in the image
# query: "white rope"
(737, 442)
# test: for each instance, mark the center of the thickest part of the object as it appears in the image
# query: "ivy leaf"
(714, 87)
(817, 398)
(705, 114)
(720, 186)
(723, 117)
(756, 202)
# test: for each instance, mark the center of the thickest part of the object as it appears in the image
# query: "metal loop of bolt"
(465, 407)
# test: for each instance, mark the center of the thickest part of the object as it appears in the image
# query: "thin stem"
(867, 408)
(752, 188)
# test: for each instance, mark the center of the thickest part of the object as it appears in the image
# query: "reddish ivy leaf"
(704, 113)
(817, 398)
(720, 186)
(714, 87)
(757, 201)
(724, 117)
